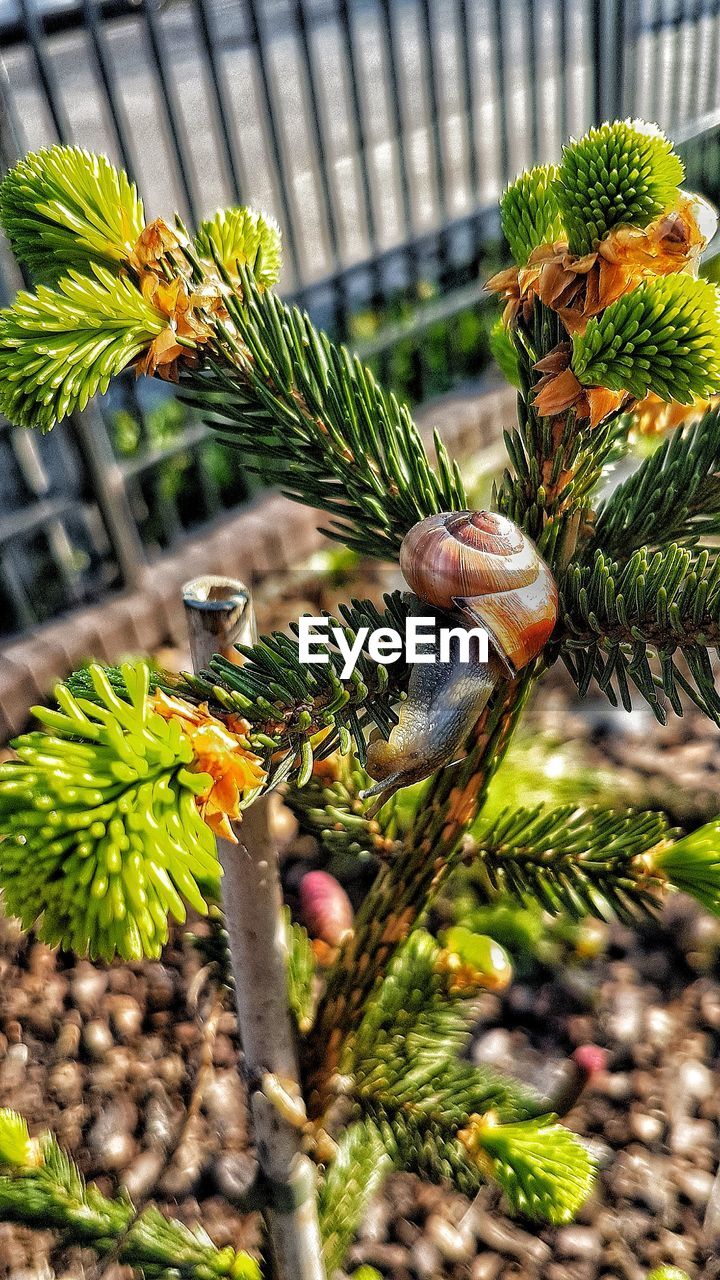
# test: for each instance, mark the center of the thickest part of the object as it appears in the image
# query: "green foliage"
(618, 618)
(572, 860)
(662, 337)
(625, 172)
(64, 208)
(544, 1170)
(668, 1273)
(349, 1184)
(530, 213)
(311, 418)
(52, 1194)
(59, 346)
(17, 1148)
(103, 837)
(242, 237)
(301, 973)
(504, 353)
(673, 496)
(693, 864)
(407, 1077)
(287, 699)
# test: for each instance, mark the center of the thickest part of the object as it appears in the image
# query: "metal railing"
(379, 133)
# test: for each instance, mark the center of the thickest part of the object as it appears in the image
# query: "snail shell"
(483, 566)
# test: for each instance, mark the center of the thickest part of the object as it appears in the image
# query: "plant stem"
(404, 890)
(220, 613)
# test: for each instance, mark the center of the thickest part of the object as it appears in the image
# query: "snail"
(483, 571)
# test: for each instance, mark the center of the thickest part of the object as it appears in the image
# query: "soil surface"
(135, 1066)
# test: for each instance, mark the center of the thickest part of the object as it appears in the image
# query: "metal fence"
(379, 133)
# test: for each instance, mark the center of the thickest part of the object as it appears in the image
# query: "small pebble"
(140, 1177)
(97, 1039)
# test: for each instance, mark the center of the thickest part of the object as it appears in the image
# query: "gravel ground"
(134, 1067)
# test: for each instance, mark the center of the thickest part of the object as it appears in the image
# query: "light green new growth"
(530, 213)
(103, 838)
(48, 1191)
(693, 864)
(242, 237)
(64, 207)
(17, 1148)
(625, 172)
(544, 1170)
(663, 337)
(504, 354)
(350, 1182)
(58, 347)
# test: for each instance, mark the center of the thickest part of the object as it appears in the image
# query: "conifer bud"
(325, 908)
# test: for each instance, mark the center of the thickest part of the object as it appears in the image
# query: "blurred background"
(379, 133)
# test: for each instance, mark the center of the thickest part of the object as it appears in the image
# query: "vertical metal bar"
(173, 114)
(608, 28)
(106, 72)
(320, 139)
(534, 36)
(679, 46)
(288, 218)
(597, 14)
(25, 615)
(109, 489)
(349, 40)
(45, 69)
(222, 108)
(563, 73)
(503, 137)
(322, 164)
(469, 104)
(714, 61)
(438, 157)
(397, 115)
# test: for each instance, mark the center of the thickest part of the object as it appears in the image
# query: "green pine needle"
(692, 864)
(504, 353)
(51, 1193)
(672, 496)
(242, 237)
(544, 1170)
(17, 1148)
(103, 838)
(662, 337)
(301, 973)
(530, 213)
(625, 172)
(66, 208)
(58, 347)
(574, 861)
(349, 1184)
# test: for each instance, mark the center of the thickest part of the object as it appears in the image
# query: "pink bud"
(590, 1059)
(325, 908)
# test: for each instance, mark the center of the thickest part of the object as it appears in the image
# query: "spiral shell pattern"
(481, 564)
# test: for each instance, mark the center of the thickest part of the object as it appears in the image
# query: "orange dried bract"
(559, 390)
(580, 287)
(154, 241)
(235, 770)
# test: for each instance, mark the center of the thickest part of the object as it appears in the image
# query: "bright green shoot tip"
(103, 839)
(242, 237)
(625, 172)
(530, 213)
(66, 208)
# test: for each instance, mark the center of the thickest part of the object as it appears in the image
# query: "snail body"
(482, 570)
